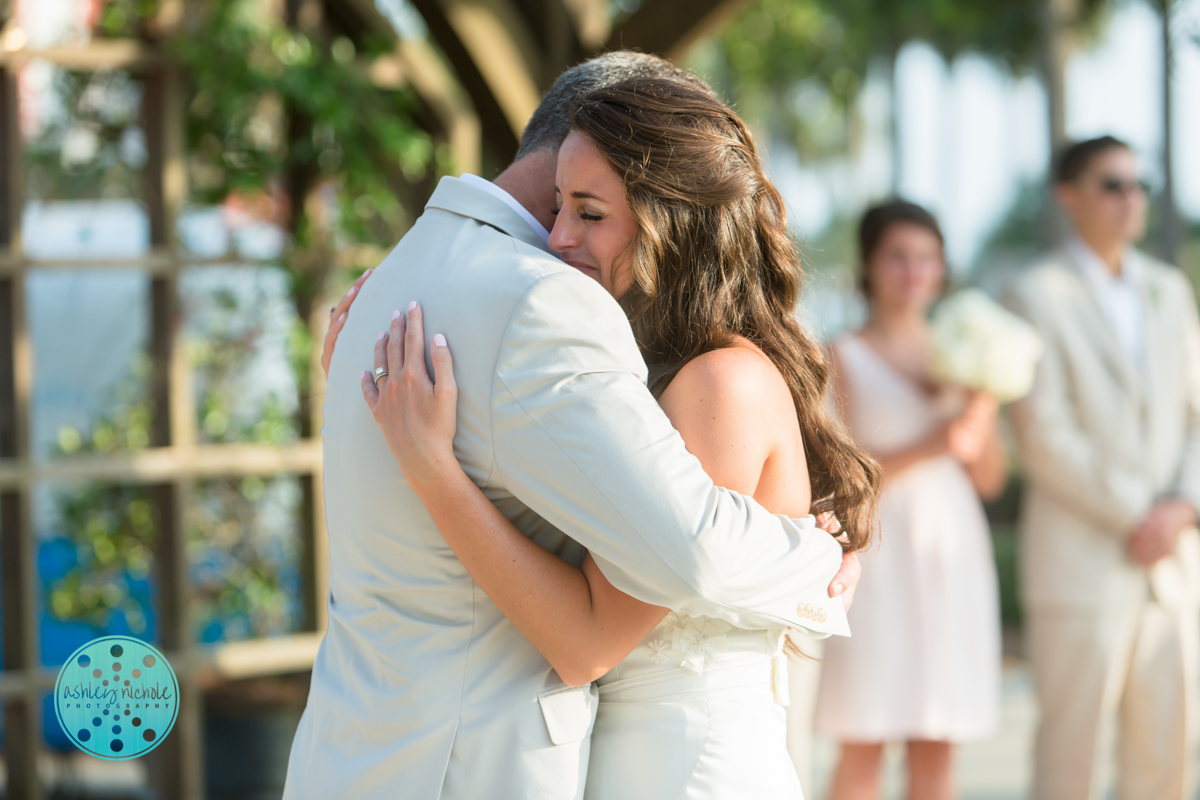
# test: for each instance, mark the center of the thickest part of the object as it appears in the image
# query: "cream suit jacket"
(1102, 438)
(421, 687)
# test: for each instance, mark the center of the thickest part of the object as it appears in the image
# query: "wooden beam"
(494, 56)
(670, 27)
(414, 63)
(443, 95)
(158, 262)
(257, 657)
(97, 54)
(208, 665)
(157, 464)
(553, 25)
(591, 21)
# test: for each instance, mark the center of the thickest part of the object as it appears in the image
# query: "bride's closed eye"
(583, 215)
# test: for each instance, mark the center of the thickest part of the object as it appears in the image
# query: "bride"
(662, 199)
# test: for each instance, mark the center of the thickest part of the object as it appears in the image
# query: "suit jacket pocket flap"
(569, 712)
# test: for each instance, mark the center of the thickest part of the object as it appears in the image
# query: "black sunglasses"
(1117, 186)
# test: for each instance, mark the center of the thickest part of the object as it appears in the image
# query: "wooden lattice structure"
(496, 57)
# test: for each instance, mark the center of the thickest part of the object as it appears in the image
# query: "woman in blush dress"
(923, 665)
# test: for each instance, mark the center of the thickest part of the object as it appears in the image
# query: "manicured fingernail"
(439, 340)
(837, 589)
(368, 272)
(381, 335)
(342, 318)
(395, 315)
(412, 304)
(353, 291)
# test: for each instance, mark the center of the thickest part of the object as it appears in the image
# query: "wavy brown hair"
(713, 259)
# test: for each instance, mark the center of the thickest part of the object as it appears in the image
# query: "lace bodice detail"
(696, 644)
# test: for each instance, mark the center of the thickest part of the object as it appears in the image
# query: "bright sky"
(971, 133)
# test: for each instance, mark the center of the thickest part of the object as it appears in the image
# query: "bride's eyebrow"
(586, 196)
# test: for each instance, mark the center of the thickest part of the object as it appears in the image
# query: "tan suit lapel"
(1098, 328)
(1158, 331)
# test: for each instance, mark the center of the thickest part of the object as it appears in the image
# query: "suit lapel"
(1100, 331)
(1157, 328)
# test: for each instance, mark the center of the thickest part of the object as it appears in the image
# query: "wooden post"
(1170, 214)
(1058, 30)
(178, 762)
(1058, 20)
(22, 715)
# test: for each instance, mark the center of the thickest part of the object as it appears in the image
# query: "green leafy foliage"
(228, 329)
(126, 426)
(249, 74)
(114, 529)
(266, 101)
(94, 147)
(244, 549)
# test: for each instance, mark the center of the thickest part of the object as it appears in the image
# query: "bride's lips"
(586, 269)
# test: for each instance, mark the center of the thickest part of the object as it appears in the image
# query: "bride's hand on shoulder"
(415, 413)
(337, 320)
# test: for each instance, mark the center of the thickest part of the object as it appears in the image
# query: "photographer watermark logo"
(116, 697)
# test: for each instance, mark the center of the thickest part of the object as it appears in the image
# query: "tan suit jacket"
(1102, 438)
(421, 687)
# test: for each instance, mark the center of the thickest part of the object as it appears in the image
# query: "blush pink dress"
(924, 658)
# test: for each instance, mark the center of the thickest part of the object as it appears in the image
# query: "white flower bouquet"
(980, 345)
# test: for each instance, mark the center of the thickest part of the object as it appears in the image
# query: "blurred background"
(187, 185)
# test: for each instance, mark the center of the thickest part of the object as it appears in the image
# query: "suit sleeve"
(1058, 455)
(1187, 484)
(579, 439)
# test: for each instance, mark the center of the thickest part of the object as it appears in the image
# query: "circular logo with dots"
(116, 697)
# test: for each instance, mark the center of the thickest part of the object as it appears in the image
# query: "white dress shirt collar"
(509, 200)
(1118, 295)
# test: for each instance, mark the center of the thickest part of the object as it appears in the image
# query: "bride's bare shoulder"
(739, 377)
(733, 410)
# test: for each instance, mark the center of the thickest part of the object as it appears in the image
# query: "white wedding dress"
(695, 712)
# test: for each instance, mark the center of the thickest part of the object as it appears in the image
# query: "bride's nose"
(564, 235)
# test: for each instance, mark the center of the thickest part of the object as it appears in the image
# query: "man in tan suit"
(1110, 442)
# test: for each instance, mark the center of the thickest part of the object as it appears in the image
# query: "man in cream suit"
(1110, 441)
(421, 688)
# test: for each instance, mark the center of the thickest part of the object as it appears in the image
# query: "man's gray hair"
(551, 122)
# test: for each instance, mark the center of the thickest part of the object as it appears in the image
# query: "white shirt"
(510, 201)
(1119, 295)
